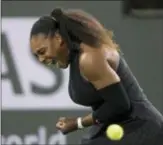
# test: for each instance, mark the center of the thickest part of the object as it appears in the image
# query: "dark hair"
(73, 26)
(44, 25)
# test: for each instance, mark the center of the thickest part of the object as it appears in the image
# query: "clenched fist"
(66, 125)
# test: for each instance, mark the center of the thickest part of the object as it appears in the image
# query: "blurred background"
(33, 97)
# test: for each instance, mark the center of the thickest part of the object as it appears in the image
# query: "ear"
(58, 37)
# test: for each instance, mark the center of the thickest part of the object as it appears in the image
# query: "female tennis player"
(99, 78)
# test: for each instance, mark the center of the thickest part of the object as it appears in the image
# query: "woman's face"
(50, 50)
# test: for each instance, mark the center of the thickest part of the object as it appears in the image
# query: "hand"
(66, 125)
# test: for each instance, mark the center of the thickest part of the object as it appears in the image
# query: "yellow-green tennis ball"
(115, 132)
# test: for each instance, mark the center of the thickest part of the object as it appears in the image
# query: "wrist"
(79, 123)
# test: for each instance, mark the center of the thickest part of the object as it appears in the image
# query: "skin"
(93, 64)
(46, 48)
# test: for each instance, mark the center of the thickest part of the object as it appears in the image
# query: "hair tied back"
(57, 13)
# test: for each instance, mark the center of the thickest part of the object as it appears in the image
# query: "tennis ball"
(115, 132)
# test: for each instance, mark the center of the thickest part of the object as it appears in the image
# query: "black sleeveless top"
(83, 93)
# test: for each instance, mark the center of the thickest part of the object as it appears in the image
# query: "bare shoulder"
(113, 57)
(90, 63)
(94, 66)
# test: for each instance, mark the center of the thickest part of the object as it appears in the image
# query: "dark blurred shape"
(143, 8)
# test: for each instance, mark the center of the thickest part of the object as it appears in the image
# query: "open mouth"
(53, 63)
(50, 62)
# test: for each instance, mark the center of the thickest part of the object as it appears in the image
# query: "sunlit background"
(33, 97)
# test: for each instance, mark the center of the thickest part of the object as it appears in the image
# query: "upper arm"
(96, 69)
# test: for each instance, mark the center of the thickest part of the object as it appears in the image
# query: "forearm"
(100, 115)
(117, 105)
(107, 113)
(87, 120)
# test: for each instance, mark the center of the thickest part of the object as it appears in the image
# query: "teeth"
(57, 65)
(52, 65)
(49, 63)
